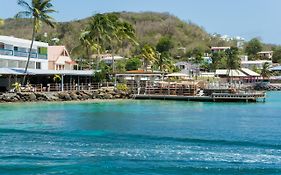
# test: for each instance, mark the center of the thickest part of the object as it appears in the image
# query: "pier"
(215, 97)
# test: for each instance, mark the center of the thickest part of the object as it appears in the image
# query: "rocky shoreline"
(268, 87)
(103, 93)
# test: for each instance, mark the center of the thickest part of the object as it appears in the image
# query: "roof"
(8, 71)
(265, 52)
(231, 73)
(177, 75)
(219, 48)
(20, 71)
(21, 42)
(256, 62)
(115, 58)
(277, 68)
(250, 72)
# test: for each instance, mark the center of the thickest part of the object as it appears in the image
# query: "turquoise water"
(141, 137)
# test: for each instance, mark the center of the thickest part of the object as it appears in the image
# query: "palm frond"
(23, 14)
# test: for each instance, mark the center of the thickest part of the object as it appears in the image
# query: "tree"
(98, 33)
(277, 55)
(1, 23)
(233, 61)
(265, 71)
(198, 54)
(218, 60)
(122, 31)
(86, 48)
(163, 62)
(165, 44)
(253, 47)
(149, 55)
(39, 11)
(133, 64)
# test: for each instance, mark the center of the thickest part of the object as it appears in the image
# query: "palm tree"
(1, 22)
(99, 33)
(85, 48)
(39, 11)
(149, 55)
(265, 72)
(122, 32)
(163, 61)
(232, 60)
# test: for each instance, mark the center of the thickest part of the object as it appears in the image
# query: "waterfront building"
(14, 53)
(45, 63)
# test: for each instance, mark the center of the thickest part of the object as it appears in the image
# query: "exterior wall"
(14, 53)
(254, 64)
(268, 55)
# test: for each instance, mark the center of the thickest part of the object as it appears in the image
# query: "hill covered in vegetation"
(150, 27)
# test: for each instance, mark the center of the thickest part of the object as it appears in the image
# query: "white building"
(14, 53)
(219, 49)
(258, 64)
(265, 55)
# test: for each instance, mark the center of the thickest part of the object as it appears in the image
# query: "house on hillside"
(59, 59)
(219, 49)
(14, 53)
(188, 68)
(257, 64)
(265, 55)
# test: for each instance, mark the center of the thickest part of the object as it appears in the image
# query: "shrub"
(122, 87)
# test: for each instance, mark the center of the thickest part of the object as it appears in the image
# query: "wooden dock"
(215, 97)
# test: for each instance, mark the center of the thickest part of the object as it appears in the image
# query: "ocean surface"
(141, 137)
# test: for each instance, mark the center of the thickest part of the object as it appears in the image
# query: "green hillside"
(150, 27)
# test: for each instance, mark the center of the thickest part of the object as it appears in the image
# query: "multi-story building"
(14, 53)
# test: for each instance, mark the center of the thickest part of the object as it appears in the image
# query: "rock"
(73, 96)
(107, 96)
(31, 96)
(64, 96)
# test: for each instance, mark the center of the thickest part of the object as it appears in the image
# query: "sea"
(141, 137)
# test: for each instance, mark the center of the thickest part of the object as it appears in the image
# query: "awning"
(19, 71)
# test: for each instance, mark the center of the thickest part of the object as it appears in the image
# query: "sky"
(244, 18)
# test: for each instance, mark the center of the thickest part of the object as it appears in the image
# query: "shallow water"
(141, 137)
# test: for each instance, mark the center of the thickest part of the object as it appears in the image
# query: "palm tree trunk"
(29, 53)
(113, 61)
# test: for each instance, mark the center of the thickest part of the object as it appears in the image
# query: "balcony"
(43, 56)
(24, 54)
(6, 52)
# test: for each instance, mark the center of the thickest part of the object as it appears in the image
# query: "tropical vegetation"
(38, 11)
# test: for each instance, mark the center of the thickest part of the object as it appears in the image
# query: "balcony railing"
(43, 56)
(6, 52)
(22, 54)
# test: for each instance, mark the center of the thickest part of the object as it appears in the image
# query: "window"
(16, 48)
(38, 65)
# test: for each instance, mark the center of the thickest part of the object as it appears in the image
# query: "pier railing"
(56, 87)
